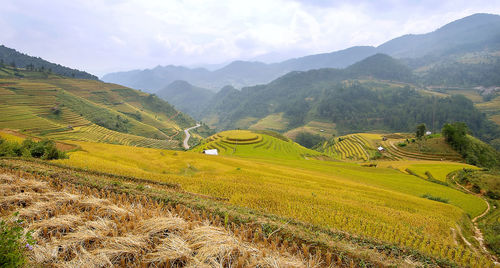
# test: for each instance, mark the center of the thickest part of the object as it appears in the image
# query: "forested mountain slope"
(13, 58)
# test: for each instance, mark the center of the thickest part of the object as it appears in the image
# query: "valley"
(371, 156)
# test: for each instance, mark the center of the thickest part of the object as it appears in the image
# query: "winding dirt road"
(186, 139)
(478, 235)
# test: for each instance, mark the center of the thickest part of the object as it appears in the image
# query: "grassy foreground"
(379, 203)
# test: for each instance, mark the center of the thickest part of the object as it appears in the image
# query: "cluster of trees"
(464, 74)
(45, 149)
(309, 140)
(117, 123)
(474, 151)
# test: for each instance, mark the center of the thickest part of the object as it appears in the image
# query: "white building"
(211, 152)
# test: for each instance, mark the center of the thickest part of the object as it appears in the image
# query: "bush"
(13, 243)
(45, 149)
(401, 144)
(435, 198)
(476, 189)
(493, 195)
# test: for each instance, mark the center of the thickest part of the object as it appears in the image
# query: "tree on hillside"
(474, 151)
(456, 135)
(420, 131)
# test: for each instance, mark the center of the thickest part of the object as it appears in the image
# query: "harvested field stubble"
(81, 226)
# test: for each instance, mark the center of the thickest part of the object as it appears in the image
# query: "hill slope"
(186, 97)
(13, 58)
(79, 109)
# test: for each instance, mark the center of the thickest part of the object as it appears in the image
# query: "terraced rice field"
(351, 147)
(67, 108)
(97, 133)
(393, 151)
(251, 144)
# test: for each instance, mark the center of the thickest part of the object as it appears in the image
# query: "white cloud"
(104, 36)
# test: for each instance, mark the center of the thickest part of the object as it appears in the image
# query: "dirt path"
(478, 235)
(186, 131)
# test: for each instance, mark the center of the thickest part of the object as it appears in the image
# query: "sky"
(118, 35)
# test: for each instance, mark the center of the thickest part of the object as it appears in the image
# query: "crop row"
(254, 140)
(403, 154)
(348, 148)
(95, 133)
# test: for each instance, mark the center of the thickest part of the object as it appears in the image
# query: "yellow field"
(379, 203)
(9, 137)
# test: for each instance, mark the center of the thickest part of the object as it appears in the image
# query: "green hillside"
(257, 144)
(79, 109)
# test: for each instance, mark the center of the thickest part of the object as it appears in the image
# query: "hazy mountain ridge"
(477, 32)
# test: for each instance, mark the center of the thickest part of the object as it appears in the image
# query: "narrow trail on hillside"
(186, 139)
(478, 235)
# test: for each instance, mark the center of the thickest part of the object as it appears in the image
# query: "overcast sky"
(116, 35)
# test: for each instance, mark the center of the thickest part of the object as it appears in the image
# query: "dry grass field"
(77, 226)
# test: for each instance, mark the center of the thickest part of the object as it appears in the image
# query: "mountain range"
(475, 33)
